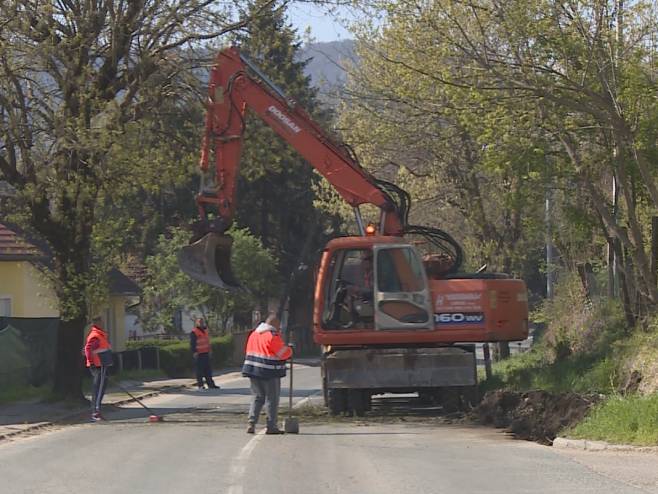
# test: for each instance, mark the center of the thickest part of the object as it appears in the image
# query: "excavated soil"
(534, 415)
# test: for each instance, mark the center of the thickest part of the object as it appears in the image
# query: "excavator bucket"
(209, 260)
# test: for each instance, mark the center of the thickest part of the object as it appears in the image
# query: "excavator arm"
(237, 85)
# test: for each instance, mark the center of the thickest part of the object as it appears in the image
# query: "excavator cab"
(208, 260)
(376, 287)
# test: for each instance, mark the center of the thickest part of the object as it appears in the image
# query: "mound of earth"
(534, 415)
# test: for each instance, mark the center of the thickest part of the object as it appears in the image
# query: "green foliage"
(168, 290)
(78, 81)
(176, 358)
(13, 394)
(276, 188)
(623, 420)
(584, 348)
(575, 326)
(495, 107)
(473, 163)
(584, 373)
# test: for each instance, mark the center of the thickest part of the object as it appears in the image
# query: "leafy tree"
(276, 186)
(74, 76)
(570, 83)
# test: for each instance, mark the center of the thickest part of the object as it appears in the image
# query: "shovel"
(290, 424)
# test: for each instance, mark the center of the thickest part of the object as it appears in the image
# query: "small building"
(24, 288)
(25, 291)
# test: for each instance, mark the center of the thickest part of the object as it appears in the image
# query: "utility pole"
(549, 245)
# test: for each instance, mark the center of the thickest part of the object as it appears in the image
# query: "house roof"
(14, 247)
(134, 269)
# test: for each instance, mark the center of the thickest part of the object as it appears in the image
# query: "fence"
(139, 359)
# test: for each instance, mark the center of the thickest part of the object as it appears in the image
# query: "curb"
(43, 425)
(587, 445)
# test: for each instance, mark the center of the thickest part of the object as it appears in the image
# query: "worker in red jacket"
(201, 351)
(98, 356)
(265, 365)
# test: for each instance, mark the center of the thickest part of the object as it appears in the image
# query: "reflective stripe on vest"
(265, 355)
(202, 341)
(103, 344)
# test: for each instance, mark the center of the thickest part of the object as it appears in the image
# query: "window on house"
(5, 307)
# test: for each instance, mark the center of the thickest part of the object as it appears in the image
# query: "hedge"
(176, 359)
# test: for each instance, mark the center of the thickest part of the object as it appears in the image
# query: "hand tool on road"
(290, 424)
(153, 417)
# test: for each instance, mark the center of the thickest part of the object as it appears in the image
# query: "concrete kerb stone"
(587, 445)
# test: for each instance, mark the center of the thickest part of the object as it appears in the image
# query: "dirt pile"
(534, 415)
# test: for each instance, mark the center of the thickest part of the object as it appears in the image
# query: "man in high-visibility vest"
(201, 351)
(98, 356)
(265, 365)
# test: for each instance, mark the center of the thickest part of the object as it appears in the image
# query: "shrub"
(176, 359)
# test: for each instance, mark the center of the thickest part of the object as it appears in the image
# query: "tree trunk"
(70, 363)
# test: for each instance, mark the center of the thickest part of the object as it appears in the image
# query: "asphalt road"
(202, 448)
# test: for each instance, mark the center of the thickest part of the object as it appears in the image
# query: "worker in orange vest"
(201, 351)
(265, 365)
(98, 356)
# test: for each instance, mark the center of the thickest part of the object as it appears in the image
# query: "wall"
(28, 290)
(114, 321)
(117, 305)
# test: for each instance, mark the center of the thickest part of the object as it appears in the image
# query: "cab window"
(399, 270)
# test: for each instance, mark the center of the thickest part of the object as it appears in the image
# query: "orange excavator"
(392, 312)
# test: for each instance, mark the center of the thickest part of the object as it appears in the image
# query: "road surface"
(202, 448)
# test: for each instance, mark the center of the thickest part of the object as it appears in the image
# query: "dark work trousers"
(99, 376)
(203, 370)
(265, 390)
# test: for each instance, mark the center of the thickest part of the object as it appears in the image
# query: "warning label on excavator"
(449, 302)
(459, 318)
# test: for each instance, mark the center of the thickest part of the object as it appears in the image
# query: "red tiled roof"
(134, 269)
(12, 246)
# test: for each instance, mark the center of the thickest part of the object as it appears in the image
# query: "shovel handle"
(290, 389)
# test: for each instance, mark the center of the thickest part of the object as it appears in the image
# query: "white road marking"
(239, 465)
(307, 399)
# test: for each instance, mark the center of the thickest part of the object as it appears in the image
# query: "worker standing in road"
(201, 351)
(98, 354)
(265, 365)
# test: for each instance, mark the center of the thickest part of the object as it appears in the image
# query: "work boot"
(275, 430)
(251, 428)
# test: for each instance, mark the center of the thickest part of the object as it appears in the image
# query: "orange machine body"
(468, 309)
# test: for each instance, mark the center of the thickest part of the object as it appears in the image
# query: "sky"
(324, 26)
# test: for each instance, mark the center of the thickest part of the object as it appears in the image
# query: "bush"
(176, 359)
(576, 326)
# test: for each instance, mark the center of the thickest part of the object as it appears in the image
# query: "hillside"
(327, 65)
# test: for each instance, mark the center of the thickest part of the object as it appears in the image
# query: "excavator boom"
(236, 85)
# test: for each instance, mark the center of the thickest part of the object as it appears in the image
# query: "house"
(25, 291)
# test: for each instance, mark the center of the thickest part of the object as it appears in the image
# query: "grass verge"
(582, 373)
(14, 394)
(629, 420)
